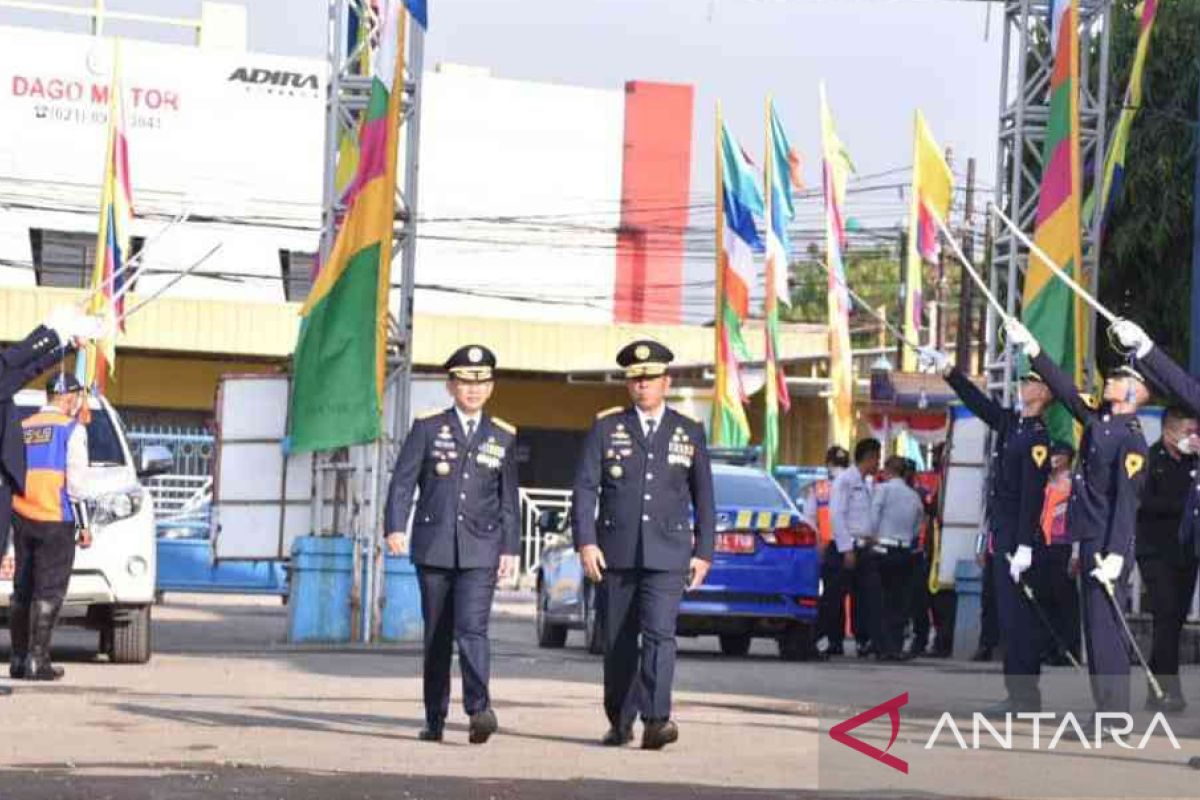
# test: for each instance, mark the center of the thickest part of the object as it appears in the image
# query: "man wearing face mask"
(49, 514)
(1167, 569)
(1016, 483)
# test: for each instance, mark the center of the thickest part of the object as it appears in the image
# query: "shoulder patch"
(608, 412)
(433, 412)
(1039, 453)
(1090, 401)
(1133, 463)
(504, 425)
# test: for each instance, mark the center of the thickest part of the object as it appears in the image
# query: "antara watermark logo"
(1117, 727)
(1107, 729)
(276, 81)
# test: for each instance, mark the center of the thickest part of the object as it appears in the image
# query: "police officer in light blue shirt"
(645, 525)
(465, 532)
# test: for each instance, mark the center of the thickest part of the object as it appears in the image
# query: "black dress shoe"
(618, 736)
(483, 725)
(658, 734)
(982, 654)
(430, 733)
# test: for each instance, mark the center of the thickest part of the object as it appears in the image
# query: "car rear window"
(747, 490)
(104, 445)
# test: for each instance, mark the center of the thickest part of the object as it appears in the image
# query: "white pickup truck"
(112, 582)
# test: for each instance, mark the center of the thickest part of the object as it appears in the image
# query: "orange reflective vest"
(824, 491)
(47, 434)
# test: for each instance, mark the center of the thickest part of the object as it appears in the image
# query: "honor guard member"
(647, 468)
(463, 464)
(50, 514)
(1177, 567)
(20, 363)
(1017, 473)
(1102, 511)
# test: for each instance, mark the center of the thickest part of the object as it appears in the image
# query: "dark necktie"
(649, 429)
(470, 429)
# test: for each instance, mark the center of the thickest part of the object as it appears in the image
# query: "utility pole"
(900, 297)
(962, 349)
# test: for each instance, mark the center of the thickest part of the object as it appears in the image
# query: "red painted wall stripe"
(655, 195)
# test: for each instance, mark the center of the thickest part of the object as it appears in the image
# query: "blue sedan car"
(764, 580)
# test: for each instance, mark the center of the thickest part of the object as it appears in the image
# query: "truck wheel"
(796, 644)
(129, 641)
(593, 625)
(549, 634)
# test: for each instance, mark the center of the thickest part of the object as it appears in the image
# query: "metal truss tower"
(351, 486)
(1026, 68)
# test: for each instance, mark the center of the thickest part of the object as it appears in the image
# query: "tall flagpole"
(719, 301)
(769, 398)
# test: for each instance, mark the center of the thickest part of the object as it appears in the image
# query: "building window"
(66, 258)
(296, 269)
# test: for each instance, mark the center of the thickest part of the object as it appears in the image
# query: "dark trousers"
(1170, 583)
(45, 553)
(989, 616)
(831, 610)
(456, 605)
(920, 602)
(1107, 649)
(895, 573)
(645, 602)
(1021, 632)
(868, 600)
(944, 605)
(1058, 594)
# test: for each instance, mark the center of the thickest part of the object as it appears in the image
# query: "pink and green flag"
(337, 389)
(1051, 311)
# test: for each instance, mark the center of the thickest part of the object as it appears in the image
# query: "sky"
(880, 60)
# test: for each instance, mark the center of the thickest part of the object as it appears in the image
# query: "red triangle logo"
(841, 732)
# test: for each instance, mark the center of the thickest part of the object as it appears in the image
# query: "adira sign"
(278, 78)
(1115, 726)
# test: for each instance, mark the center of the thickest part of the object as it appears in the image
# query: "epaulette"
(504, 426)
(431, 413)
(608, 412)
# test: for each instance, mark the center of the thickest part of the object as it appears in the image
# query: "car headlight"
(117, 506)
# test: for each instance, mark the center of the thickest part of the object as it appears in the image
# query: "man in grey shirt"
(896, 514)
(850, 517)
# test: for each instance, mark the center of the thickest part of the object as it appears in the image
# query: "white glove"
(1108, 569)
(59, 320)
(1132, 337)
(1020, 337)
(88, 326)
(1020, 561)
(934, 359)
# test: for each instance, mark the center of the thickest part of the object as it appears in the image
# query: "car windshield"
(104, 445)
(747, 489)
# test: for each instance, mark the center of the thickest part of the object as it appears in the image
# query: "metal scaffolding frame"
(1026, 68)
(354, 482)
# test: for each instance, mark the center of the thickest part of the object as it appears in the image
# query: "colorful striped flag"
(740, 202)
(1114, 163)
(835, 172)
(95, 364)
(780, 176)
(932, 191)
(337, 392)
(1051, 311)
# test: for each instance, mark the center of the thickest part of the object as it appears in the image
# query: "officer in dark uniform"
(647, 467)
(1102, 511)
(1179, 567)
(50, 514)
(19, 364)
(465, 528)
(1020, 464)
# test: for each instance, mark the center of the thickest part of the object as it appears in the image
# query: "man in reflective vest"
(48, 515)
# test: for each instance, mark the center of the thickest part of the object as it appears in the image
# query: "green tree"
(1145, 263)
(874, 275)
